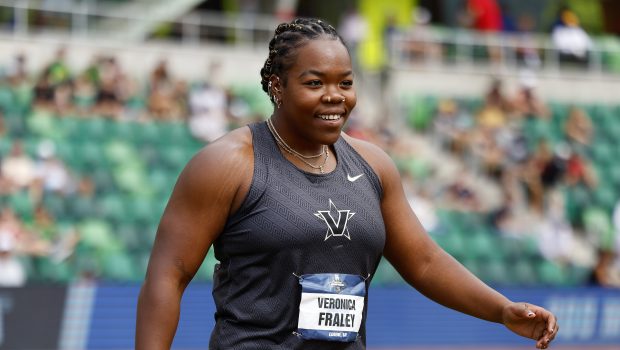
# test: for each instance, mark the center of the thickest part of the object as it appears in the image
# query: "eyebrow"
(321, 74)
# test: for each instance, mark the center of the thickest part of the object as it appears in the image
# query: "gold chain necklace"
(300, 156)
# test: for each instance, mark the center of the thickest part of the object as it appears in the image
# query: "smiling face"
(317, 95)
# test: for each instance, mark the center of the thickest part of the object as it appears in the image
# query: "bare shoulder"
(232, 149)
(376, 157)
(223, 165)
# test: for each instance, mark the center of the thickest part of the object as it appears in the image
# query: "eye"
(346, 83)
(313, 83)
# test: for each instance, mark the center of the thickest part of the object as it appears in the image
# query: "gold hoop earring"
(278, 103)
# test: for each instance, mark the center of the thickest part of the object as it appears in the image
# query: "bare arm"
(436, 274)
(212, 185)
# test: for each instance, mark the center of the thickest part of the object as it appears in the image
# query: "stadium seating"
(134, 165)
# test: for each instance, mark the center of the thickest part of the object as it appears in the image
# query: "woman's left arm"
(436, 274)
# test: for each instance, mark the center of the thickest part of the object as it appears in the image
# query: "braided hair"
(287, 38)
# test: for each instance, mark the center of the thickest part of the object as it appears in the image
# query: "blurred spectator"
(58, 69)
(578, 127)
(526, 103)
(84, 94)
(17, 72)
(526, 50)
(572, 42)
(459, 195)
(63, 98)
(452, 126)
(109, 95)
(606, 272)
(513, 143)
(18, 168)
(353, 29)
(59, 241)
(161, 92)
(556, 236)
(424, 209)
(616, 221)
(488, 154)
(43, 92)
(52, 171)
(421, 42)
(2, 128)
(602, 231)
(12, 272)
(496, 98)
(579, 171)
(208, 106)
(485, 16)
(543, 170)
(167, 98)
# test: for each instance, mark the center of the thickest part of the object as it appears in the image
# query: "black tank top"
(292, 223)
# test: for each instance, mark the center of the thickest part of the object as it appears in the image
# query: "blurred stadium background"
(503, 117)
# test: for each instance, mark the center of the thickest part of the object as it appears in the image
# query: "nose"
(336, 99)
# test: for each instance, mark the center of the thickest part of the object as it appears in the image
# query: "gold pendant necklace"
(296, 154)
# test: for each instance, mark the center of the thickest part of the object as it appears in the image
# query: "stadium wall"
(102, 317)
(241, 65)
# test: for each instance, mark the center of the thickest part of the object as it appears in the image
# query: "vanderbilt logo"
(336, 221)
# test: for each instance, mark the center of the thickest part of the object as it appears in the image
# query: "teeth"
(330, 117)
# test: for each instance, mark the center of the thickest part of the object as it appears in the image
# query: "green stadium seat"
(52, 271)
(494, 272)
(482, 246)
(173, 158)
(523, 272)
(421, 113)
(148, 133)
(6, 98)
(112, 208)
(22, 204)
(97, 234)
(550, 273)
(386, 275)
(598, 225)
(79, 208)
(205, 272)
(129, 236)
(45, 125)
(453, 243)
(578, 275)
(118, 265)
(91, 130)
(55, 205)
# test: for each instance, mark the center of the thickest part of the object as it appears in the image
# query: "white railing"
(85, 20)
(434, 46)
(421, 47)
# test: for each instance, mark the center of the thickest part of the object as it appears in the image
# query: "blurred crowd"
(32, 177)
(471, 158)
(524, 182)
(503, 36)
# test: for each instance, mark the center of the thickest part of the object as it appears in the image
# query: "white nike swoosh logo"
(353, 178)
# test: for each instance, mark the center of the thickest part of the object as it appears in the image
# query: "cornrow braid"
(288, 37)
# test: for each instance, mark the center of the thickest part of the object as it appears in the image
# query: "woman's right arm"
(212, 185)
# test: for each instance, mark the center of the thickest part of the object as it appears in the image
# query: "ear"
(276, 85)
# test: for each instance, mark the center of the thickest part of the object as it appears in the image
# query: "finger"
(542, 343)
(552, 324)
(527, 312)
(555, 332)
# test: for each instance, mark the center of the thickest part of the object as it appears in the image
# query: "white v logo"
(353, 178)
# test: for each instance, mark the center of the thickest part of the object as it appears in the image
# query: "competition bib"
(331, 306)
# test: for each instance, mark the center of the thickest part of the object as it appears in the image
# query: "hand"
(532, 322)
